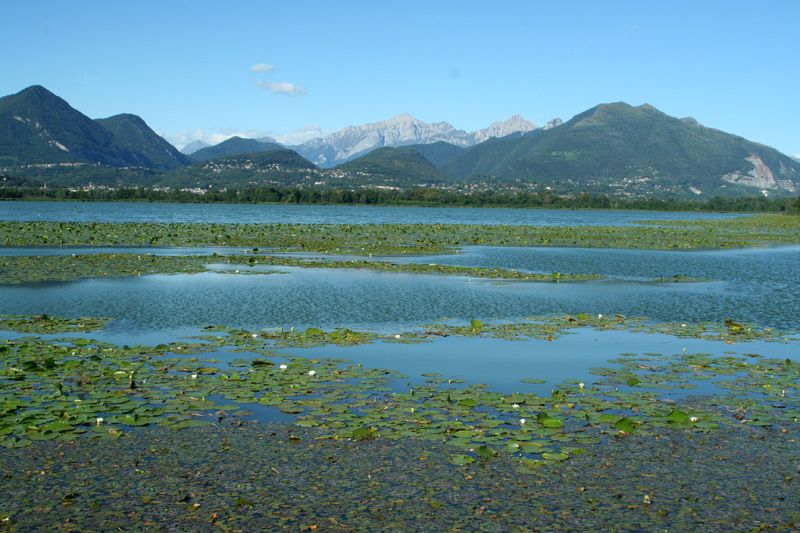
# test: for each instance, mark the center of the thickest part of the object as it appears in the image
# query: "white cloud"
(299, 136)
(182, 138)
(261, 68)
(283, 87)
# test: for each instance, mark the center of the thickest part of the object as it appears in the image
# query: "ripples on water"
(321, 214)
(760, 286)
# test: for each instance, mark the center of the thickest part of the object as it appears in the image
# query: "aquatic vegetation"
(43, 324)
(166, 426)
(391, 239)
(57, 388)
(84, 266)
(73, 267)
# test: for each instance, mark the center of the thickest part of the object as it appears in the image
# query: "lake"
(759, 286)
(446, 396)
(320, 214)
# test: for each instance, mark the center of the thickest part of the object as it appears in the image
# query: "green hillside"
(145, 147)
(273, 167)
(233, 146)
(395, 167)
(43, 138)
(37, 126)
(611, 143)
(437, 153)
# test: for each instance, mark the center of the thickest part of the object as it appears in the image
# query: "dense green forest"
(21, 189)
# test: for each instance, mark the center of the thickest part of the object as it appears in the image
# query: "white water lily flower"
(521, 421)
(397, 336)
(693, 419)
(99, 421)
(312, 373)
(600, 317)
(194, 376)
(515, 405)
(283, 367)
(580, 385)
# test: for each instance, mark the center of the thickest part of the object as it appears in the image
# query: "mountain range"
(615, 149)
(38, 127)
(354, 141)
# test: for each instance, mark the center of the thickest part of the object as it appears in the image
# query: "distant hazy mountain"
(233, 146)
(401, 130)
(194, 146)
(622, 146)
(38, 127)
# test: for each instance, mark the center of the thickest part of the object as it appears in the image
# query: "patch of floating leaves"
(550, 327)
(388, 239)
(58, 388)
(73, 267)
(48, 324)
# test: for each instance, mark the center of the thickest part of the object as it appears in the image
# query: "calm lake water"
(320, 214)
(760, 286)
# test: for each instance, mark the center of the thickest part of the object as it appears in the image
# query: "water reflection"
(761, 287)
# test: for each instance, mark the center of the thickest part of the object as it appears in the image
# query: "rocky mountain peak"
(552, 124)
(512, 124)
(400, 130)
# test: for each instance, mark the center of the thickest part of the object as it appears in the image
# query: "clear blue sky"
(190, 69)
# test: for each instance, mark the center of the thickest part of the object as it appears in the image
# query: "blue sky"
(298, 69)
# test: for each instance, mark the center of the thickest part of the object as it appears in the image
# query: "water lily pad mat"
(277, 477)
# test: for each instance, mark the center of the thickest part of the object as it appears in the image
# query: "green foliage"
(13, 188)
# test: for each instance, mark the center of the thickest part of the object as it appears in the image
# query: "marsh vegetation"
(567, 420)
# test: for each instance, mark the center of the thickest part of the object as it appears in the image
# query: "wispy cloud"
(275, 87)
(298, 136)
(282, 87)
(261, 68)
(301, 135)
(182, 138)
